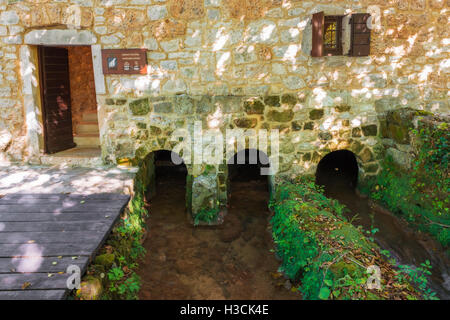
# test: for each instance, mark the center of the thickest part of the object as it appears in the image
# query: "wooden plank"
(33, 295)
(36, 244)
(47, 250)
(41, 264)
(67, 216)
(51, 237)
(61, 196)
(26, 226)
(64, 202)
(37, 281)
(112, 206)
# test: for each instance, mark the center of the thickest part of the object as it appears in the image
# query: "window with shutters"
(327, 35)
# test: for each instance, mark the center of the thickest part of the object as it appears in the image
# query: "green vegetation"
(420, 195)
(325, 253)
(206, 215)
(114, 267)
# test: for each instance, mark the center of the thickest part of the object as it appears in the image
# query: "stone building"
(323, 73)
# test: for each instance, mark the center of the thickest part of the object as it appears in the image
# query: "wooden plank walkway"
(42, 234)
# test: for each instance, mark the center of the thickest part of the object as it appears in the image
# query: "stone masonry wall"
(241, 64)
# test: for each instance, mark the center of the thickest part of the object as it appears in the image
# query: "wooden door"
(55, 91)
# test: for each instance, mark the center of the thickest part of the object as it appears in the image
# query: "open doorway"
(68, 100)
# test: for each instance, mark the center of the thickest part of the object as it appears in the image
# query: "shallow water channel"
(231, 261)
(405, 245)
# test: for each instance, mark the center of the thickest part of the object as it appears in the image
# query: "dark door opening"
(55, 97)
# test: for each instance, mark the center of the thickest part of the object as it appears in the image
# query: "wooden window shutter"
(317, 34)
(360, 35)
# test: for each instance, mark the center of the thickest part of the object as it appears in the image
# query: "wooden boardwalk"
(42, 234)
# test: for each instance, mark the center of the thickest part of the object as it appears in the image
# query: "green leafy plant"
(418, 276)
(420, 194)
(321, 250)
(206, 215)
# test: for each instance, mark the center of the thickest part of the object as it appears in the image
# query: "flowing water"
(406, 246)
(230, 261)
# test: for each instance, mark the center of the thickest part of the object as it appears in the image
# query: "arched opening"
(248, 165)
(167, 179)
(248, 192)
(338, 170)
(221, 256)
(169, 165)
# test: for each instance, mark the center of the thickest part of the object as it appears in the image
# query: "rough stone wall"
(396, 132)
(243, 64)
(82, 85)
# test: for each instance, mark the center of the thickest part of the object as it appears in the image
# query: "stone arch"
(368, 153)
(338, 167)
(256, 157)
(149, 165)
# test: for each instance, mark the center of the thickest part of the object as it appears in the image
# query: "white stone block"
(157, 12)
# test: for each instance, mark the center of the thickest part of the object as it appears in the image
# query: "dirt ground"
(232, 261)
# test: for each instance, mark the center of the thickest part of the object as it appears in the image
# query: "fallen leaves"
(26, 285)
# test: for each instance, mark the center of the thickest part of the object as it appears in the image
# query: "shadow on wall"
(338, 169)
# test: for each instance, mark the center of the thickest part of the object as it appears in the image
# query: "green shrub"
(419, 195)
(323, 252)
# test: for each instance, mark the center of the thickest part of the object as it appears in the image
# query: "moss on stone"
(342, 108)
(296, 125)
(308, 126)
(280, 116)
(105, 260)
(356, 132)
(289, 99)
(155, 131)
(139, 107)
(245, 122)
(272, 101)
(370, 130)
(254, 106)
(325, 136)
(316, 114)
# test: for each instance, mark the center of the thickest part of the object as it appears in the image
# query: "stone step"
(90, 116)
(87, 127)
(87, 157)
(87, 140)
